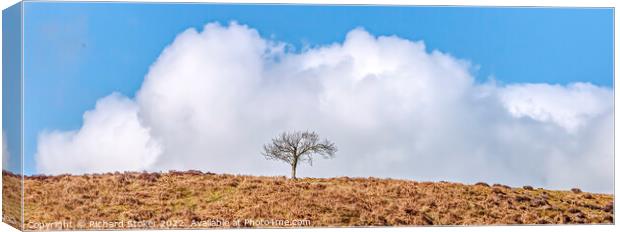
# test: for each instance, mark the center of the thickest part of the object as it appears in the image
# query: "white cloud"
(5, 152)
(112, 138)
(213, 97)
(568, 106)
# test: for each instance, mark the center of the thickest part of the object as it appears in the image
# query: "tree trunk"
(294, 170)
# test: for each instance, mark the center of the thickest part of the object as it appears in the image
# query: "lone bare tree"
(297, 147)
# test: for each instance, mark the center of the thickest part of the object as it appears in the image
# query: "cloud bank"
(5, 152)
(394, 109)
(112, 138)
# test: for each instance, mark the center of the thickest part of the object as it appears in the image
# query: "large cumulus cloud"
(5, 153)
(112, 138)
(394, 109)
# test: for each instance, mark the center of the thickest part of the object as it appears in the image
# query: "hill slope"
(195, 199)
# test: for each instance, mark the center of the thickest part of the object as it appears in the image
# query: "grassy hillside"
(11, 199)
(195, 199)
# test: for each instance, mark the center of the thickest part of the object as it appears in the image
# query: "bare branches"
(296, 147)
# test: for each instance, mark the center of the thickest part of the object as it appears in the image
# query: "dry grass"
(180, 198)
(11, 199)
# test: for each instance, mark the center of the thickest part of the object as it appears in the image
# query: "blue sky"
(11, 90)
(77, 53)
